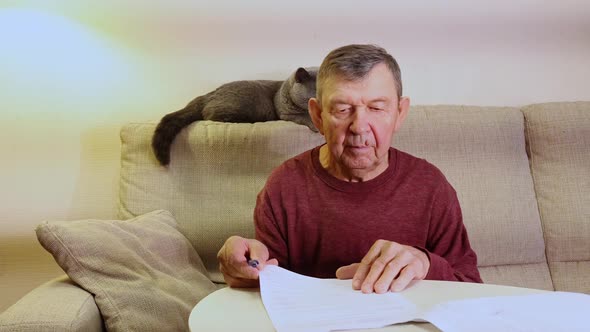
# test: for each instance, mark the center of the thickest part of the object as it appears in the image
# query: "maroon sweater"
(314, 223)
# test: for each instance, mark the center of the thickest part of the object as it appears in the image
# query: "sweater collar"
(346, 186)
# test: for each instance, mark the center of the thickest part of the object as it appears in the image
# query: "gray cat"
(242, 101)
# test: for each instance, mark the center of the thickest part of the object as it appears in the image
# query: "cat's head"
(303, 85)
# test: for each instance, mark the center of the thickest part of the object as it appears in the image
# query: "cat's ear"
(301, 75)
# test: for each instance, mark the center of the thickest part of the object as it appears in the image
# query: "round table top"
(241, 309)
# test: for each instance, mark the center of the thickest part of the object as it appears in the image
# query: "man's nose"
(360, 121)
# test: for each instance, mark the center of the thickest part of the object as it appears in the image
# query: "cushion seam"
(530, 139)
(80, 310)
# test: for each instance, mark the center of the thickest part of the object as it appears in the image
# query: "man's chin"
(358, 163)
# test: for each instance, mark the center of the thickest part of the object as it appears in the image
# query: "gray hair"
(353, 63)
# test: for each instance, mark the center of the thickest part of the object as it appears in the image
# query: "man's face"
(358, 120)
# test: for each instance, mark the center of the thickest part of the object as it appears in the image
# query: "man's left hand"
(387, 266)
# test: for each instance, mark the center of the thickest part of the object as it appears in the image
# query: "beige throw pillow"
(143, 272)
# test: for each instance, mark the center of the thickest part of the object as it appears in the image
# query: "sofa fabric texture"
(143, 273)
(58, 305)
(558, 137)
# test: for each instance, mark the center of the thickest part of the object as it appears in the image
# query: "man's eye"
(343, 110)
(376, 109)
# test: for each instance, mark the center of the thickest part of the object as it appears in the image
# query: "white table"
(231, 309)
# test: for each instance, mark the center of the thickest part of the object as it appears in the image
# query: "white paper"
(298, 303)
(544, 312)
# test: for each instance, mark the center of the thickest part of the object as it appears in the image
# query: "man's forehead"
(378, 84)
(355, 92)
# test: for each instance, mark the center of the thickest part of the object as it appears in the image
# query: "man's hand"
(387, 266)
(233, 261)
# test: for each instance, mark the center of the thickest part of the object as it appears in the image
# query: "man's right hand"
(233, 261)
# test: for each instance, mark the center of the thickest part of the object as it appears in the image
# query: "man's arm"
(269, 230)
(448, 248)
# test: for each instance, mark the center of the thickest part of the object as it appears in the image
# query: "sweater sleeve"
(268, 230)
(451, 256)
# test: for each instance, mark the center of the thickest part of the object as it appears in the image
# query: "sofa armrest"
(58, 305)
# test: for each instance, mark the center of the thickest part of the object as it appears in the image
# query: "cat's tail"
(171, 125)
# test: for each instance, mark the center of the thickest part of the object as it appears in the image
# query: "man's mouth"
(358, 148)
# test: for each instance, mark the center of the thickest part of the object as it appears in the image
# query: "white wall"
(71, 72)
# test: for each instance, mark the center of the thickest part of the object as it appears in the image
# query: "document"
(298, 303)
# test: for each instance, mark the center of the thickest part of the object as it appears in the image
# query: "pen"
(253, 263)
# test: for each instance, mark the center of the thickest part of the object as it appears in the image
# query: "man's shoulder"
(408, 159)
(292, 168)
(418, 167)
(300, 160)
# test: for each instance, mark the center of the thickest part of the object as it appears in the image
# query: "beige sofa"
(522, 176)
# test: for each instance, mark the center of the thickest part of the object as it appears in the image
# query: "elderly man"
(355, 207)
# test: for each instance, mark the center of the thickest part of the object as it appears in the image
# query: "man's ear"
(403, 109)
(315, 112)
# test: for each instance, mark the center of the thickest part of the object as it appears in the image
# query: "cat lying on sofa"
(242, 101)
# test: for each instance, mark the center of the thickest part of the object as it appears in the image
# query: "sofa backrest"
(558, 136)
(217, 170)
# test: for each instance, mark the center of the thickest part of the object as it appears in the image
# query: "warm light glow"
(64, 88)
(51, 63)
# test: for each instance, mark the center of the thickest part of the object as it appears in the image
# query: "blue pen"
(253, 263)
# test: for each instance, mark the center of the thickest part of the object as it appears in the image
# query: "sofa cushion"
(58, 305)
(558, 137)
(217, 169)
(143, 272)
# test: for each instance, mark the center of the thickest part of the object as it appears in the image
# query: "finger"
(237, 265)
(365, 265)
(273, 261)
(257, 250)
(389, 273)
(241, 273)
(389, 252)
(392, 271)
(239, 282)
(374, 274)
(347, 272)
(405, 277)
(360, 275)
(234, 250)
